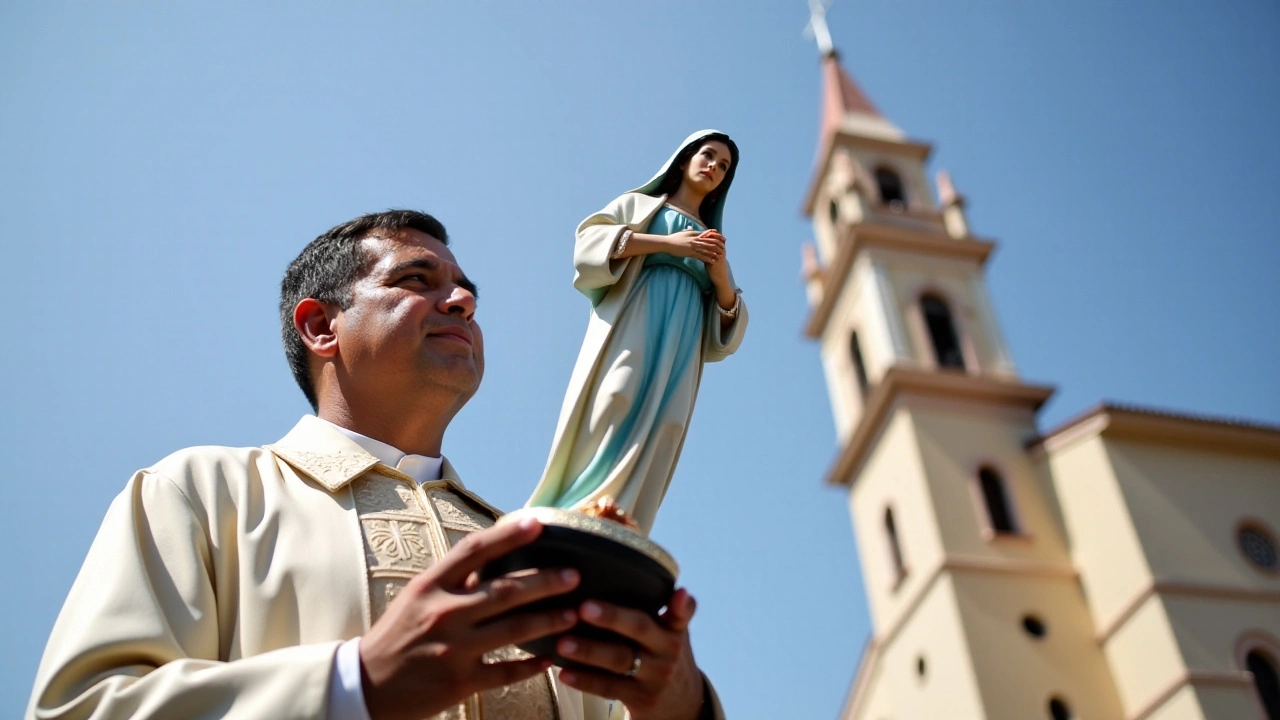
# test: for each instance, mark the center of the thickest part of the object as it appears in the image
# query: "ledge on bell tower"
(854, 239)
(900, 381)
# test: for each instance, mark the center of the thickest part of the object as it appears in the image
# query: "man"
(333, 573)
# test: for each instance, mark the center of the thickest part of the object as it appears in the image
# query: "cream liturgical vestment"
(223, 580)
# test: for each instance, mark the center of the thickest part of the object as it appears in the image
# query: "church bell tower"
(976, 607)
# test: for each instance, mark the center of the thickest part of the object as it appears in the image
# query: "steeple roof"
(846, 108)
(848, 115)
(841, 96)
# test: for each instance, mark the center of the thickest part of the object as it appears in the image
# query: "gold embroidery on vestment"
(405, 530)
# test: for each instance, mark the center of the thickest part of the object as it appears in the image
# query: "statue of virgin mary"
(653, 263)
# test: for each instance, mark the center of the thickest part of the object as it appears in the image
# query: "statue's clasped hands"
(718, 268)
(707, 246)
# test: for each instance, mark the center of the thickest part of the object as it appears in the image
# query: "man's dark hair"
(328, 267)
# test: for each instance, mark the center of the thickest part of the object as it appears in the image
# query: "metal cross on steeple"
(817, 27)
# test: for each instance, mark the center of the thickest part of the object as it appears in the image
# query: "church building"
(1122, 566)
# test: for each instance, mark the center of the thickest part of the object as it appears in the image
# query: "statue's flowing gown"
(640, 395)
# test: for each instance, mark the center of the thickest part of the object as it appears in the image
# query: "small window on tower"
(942, 331)
(1034, 626)
(860, 368)
(890, 186)
(997, 501)
(895, 548)
(833, 210)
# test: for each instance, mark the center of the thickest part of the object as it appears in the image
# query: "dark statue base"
(617, 565)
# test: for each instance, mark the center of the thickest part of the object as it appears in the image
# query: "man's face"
(410, 328)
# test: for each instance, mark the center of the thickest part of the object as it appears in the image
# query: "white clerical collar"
(419, 467)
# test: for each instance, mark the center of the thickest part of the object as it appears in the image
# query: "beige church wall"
(1144, 657)
(846, 401)
(1100, 533)
(873, 331)
(949, 686)
(837, 360)
(911, 277)
(892, 477)
(1017, 673)
(1208, 630)
(1187, 504)
(825, 231)
(872, 126)
(878, 702)
(1045, 488)
(918, 189)
(856, 310)
(1185, 705)
(975, 343)
(956, 439)
(997, 359)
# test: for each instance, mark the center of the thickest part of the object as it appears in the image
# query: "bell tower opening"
(859, 366)
(942, 332)
(890, 186)
(996, 501)
(895, 546)
(1266, 682)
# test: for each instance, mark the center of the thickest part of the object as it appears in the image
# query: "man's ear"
(316, 325)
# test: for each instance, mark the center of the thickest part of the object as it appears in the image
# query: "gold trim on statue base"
(609, 529)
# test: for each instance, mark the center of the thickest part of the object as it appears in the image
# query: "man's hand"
(425, 654)
(667, 685)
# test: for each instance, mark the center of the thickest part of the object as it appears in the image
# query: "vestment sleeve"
(594, 271)
(139, 635)
(346, 694)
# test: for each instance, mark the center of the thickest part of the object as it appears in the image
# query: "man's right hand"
(424, 655)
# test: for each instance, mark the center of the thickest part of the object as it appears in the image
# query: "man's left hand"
(667, 685)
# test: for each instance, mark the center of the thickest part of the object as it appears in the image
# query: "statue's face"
(707, 168)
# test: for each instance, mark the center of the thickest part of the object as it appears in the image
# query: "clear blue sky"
(162, 162)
